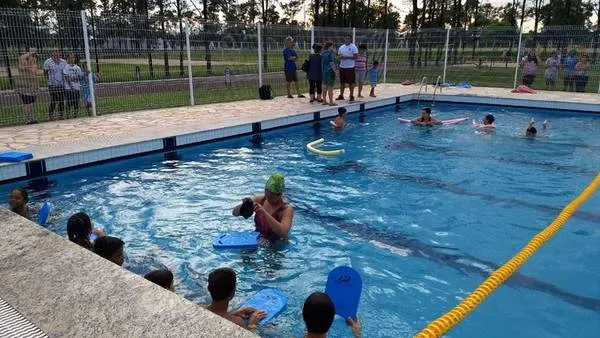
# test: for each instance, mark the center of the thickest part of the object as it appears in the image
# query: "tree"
(567, 12)
(290, 10)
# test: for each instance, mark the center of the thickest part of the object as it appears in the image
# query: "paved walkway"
(60, 137)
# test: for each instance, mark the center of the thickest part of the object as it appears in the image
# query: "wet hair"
(375, 63)
(318, 313)
(221, 283)
(427, 110)
(341, 111)
(108, 246)
(362, 46)
(328, 44)
(490, 118)
(162, 277)
(317, 48)
(23, 192)
(531, 131)
(79, 227)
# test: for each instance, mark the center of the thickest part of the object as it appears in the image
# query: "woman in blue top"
(570, 62)
(328, 72)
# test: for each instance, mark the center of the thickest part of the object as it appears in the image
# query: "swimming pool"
(422, 213)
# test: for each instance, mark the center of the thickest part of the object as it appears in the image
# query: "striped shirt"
(360, 63)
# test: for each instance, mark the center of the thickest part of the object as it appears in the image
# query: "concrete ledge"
(68, 291)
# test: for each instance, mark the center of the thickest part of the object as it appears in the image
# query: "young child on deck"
(373, 77)
(86, 89)
(360, 67)
(221, 285)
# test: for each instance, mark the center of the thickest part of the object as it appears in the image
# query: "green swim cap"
(275, 183)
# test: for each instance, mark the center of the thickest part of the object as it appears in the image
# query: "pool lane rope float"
(444, 323)
(311, 147)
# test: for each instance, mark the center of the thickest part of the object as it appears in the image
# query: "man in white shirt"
(53, 68)
(346, 54)
(72, 74)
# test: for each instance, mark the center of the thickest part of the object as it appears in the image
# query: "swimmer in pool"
(426, 119)
(531, 131)
(340, 121)
(272, 214)
(488, 122)
(17, 201)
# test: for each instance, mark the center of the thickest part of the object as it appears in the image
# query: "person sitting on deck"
(272, 214)
(426, 119)
(221, 285)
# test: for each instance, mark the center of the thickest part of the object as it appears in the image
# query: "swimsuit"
(262, 225)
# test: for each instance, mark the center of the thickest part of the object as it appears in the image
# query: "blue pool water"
(423, 214)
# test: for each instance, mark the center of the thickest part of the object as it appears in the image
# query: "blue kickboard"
(344, 286)
(15, 156)
(237, 240)
(44, 213)
(269, 300)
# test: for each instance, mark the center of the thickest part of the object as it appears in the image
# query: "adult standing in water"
(272, 214)
(53, 68)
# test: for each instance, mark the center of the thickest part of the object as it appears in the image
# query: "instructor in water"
(272, 214)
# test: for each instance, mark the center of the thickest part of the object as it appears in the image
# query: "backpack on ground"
(265, 92)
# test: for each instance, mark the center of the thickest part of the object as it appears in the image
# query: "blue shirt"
(289, 65)
(373, 75)
(327, 58)
(570, 63)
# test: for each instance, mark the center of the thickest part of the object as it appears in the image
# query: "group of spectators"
(67, 83)
(576, 70)
(324, 64)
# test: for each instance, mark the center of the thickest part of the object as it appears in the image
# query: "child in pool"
(488, 122)
(110, 248)
(221, 285)
(17, 201)
(162, 277)
(318, 313)
(531, 131)
(79, 230)
(340, 121)
(426, 119)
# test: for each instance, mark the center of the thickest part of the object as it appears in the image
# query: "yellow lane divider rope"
(443, 324)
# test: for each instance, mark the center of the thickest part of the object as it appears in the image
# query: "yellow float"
(311, 147)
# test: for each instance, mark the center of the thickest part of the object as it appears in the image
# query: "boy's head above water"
(342, 111)
(221, 284)
(489, 119)
(531, 131)
(426, 111)
(318, 313)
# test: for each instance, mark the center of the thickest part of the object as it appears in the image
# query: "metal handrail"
(437, 85)
(423, 83)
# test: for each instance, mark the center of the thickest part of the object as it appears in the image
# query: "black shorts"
(347, 75)
(291, 76)
(28, 99)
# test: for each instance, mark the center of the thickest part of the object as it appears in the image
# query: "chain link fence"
(148, 62)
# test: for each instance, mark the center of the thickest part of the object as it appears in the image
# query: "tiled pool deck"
(68, 291)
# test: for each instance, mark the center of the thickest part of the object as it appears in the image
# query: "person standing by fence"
(582, 69)
(551, 72)
(529, 64)
(361, 67)
(27, 84)
(72, 74)
(53, 68)
(328, 72)
(347, 53)
(289, 67)
(569, 64)
(315, 74)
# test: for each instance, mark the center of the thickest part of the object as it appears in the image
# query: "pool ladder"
(423, 84)
(435, 88)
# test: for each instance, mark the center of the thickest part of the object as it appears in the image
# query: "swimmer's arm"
(435, 121)
(417, 121)
(282, 228)
(236, 209)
